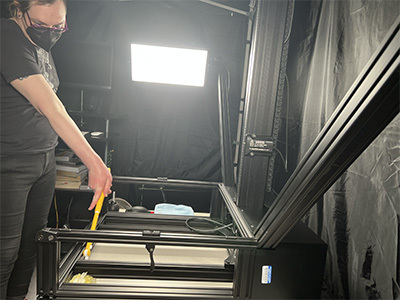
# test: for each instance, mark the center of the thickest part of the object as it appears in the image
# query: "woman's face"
(49, 15)
(43, 24)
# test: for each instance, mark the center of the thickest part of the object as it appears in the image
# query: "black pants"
(27, 187)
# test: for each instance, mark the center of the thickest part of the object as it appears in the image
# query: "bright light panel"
(168, 65)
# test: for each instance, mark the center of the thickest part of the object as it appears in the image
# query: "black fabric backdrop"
(331, 42)
(168, 131)
(162, 130)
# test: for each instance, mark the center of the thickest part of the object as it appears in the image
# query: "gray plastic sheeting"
(360, 223)
(359, 216)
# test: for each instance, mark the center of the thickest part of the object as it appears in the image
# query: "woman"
(31, 118)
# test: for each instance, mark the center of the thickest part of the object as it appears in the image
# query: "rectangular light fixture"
(168, 65)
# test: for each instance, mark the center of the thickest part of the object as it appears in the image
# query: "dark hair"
(24, 5)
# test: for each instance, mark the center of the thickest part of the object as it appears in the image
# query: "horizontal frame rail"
(137, 237)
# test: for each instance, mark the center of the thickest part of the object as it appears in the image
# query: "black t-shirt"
(22, 128)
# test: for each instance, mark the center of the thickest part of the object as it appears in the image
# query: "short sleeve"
(18, 56)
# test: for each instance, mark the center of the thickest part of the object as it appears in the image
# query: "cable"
(291, 24)
(141, 194)
(283, 159)
(217, 229)
(150, 248)
(287, 123)
(56, 209)
(163, 194)
(69, 209)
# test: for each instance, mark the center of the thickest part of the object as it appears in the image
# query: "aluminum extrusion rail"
(136, 237)
(236, 214)
(161, 181)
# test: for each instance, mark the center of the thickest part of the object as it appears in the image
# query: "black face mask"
(45, 38)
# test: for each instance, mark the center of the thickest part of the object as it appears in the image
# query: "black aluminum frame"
(268, 59)
(53, 271)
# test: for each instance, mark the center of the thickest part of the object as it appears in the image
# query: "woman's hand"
(100, 182)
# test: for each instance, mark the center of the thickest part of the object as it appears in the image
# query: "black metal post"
(47, 265)
(262, 106)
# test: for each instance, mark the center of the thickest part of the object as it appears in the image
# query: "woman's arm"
(39, 93)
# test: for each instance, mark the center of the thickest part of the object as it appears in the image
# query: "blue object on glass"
(173, 209)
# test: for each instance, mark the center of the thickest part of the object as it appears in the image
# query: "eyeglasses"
(57, 28)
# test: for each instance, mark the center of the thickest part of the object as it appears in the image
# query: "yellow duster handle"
(97, 211)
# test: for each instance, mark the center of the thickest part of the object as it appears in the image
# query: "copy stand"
(221, 265)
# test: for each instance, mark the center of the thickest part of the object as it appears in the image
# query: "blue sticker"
(266, 274)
